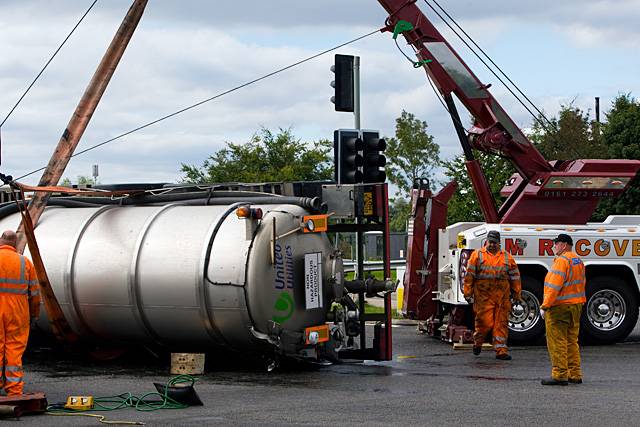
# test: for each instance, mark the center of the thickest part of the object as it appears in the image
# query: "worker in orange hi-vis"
(564, 295)
(491, 280)
(19, 306)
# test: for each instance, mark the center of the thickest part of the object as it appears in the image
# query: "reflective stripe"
(21, 268)
(501, 339)
(13, 380)
(514, 277)
(9, 368)
(552, 286)
(514, 271)
(500, 346)
(13, 291)
(34, 293)
(471, 273)
(491, 267)
(559, 273)
(491, 276)
(16, 281)
(570, 296)
(574, 282)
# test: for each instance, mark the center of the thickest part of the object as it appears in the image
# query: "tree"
(266, 157)
(621, 137)
(399, 211)
(411, 153)
(464, 205)
(82, 180)
(567, 137)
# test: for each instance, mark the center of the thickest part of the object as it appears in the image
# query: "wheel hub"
(603, 309)
(518, 310)
(526, 314)
(606, 310)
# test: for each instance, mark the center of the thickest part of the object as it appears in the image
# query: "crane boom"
(539, 192)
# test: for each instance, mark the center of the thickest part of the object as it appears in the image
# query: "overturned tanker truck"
(242, 267)
(205, 269)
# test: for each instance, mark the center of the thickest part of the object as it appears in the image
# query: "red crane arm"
(494, 131)
(539, 194)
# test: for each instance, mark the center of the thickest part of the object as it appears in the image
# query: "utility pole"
(95, 174)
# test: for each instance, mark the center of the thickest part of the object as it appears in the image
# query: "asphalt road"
(427, 383)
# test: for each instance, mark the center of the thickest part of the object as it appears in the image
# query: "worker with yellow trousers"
(564, 295)
(492, 278)
(19, 303)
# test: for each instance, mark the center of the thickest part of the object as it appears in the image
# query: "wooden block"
(187, 363)
(461, 346)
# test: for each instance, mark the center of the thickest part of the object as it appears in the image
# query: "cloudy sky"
(189, 50)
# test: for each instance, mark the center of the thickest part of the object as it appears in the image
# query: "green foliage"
(411, 153)
(569, 136)
(621, 137)
(464, 205)
(82, 180)
(267, 157)
(399, 210)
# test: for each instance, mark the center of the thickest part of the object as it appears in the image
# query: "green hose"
(128, 400)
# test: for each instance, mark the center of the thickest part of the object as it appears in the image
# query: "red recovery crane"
(542, 192)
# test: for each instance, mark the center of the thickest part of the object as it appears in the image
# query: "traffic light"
(343, 83)
(373, 145)
(347, 146)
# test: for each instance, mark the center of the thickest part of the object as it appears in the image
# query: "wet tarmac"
(427, 383)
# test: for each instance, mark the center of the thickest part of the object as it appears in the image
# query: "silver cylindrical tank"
(178, 275)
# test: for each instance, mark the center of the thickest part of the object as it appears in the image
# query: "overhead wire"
(221, 94)
(47, 63)
(489, 67)
(492, 62)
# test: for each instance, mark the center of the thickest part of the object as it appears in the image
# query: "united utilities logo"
(284, 267)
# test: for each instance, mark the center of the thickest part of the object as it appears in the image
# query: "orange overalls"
(564, 295)
(19, 301)
(490, 280)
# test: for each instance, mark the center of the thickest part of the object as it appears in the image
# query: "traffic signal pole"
(356, 92)
(359, 234)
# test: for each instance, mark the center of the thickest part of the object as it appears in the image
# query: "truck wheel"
(611, 311)
(525, 324)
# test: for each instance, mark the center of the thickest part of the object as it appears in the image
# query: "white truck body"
(610, 251)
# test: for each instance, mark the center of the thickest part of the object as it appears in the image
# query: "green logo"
(283, 305)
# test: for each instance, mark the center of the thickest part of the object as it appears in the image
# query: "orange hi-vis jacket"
(494, 274)
(566, 281)
(19, 288)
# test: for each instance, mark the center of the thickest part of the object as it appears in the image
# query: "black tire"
(611, 311)
(525, 324)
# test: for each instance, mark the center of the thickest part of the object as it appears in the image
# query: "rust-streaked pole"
(81, 116)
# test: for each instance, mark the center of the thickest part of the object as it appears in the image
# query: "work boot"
(477, 350)
(575, 380)
(503, 356)
(553, 381)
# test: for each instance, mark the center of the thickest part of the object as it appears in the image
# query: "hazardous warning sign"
(313, 280)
